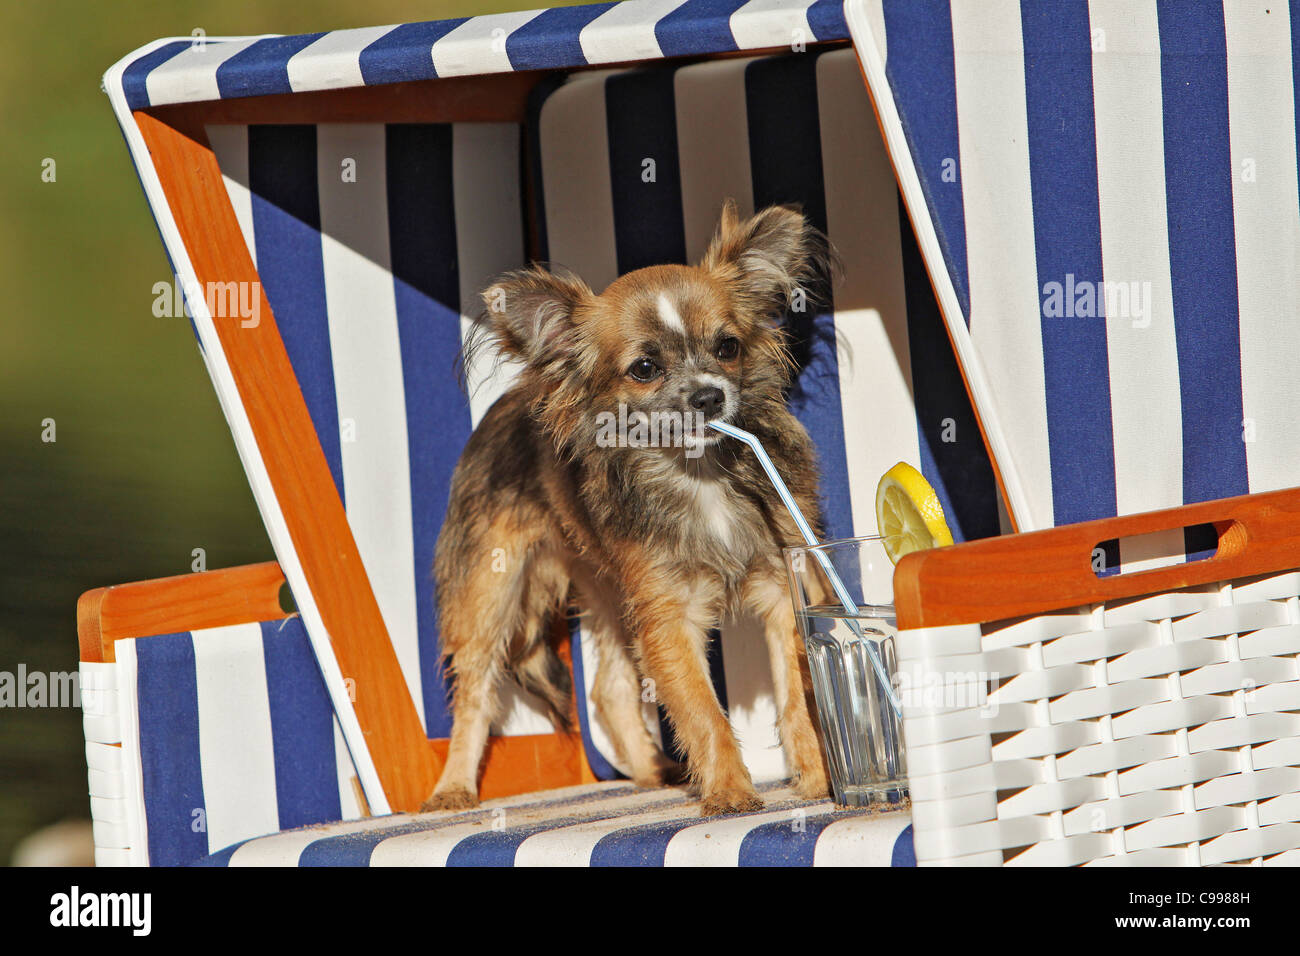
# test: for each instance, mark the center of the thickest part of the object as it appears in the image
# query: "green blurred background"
(143, 470)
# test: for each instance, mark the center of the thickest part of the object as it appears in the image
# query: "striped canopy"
(192, 69)
(1106, 196)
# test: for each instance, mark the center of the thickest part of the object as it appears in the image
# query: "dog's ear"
(769, 259)
(529, 314)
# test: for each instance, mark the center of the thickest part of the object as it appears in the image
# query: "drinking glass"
(847, 653)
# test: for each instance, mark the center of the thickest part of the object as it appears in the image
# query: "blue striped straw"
(805, 529)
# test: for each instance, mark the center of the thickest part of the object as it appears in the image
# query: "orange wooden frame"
(1017, 575)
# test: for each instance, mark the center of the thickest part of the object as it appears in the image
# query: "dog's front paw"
(457, 798)
(663, 772)
(730, 801)
(813, 785)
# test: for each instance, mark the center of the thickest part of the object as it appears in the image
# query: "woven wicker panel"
(1161, 731)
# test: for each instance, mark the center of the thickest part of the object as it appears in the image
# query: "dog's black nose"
(709, 400)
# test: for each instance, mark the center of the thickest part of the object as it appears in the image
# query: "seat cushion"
(607, 824)
(634, 166)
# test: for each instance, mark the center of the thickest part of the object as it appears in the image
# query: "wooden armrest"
(187, 602)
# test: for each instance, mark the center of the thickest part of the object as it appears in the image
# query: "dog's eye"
(727, 349)
(643, 370)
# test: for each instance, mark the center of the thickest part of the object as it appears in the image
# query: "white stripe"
(861, 841)
(1146, 405)
(626, 32)
(874, 12)
(191, 75)
(367, 358)
(132, 773)
(349, 805)
(236, 753)
(285, 848)
(751, 698)
(489, 238)
(479, 45)
(579, 203)
(713, 150)
(862, 212)
(764, 23)
(230, 146)
(1266, 213)
(573, 845)
(333, 61)
(1004, 321)
(712, 146)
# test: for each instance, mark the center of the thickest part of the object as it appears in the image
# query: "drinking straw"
(805, 529)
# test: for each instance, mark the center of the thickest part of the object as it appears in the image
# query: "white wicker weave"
(1161, 731)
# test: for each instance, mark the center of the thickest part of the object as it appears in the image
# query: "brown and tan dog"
(661, 531)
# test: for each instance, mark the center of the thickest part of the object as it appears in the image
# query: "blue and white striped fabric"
(192, 69)
(235, 737)
(608, 824)
(373, 242)
(1106, 193)
(877, 381)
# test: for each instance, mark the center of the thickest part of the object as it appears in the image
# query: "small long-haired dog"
(660, 540)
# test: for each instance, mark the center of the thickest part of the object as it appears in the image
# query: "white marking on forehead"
(669, 317)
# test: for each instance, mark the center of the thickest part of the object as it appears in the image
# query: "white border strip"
(245, 443)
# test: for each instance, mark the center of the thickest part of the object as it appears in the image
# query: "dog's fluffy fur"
(658, 544)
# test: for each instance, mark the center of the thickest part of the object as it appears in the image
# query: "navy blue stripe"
(1067, 250)
(1202, 251)
(786, 160)
(600, 766)
(302, 727)
(922, 77)
(904, 849)
(780, 843)
(537, 191)
(355, 849)
(135, 76)
(953, 457)
(643, 845)
(286, 224)
(262, 68)
(1295, 70)
(422, 237)
(826, 17)
(641, 117)
(550, 39)
(698, 26)
(404, 53)
(167, 698)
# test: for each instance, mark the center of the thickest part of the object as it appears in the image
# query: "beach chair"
(1050, 158)
(358, 189)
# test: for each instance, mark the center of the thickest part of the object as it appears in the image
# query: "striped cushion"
(607, 824)
(794, 128)
(235, 737)
(1049, 150)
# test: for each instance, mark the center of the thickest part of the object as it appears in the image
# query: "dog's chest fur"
(706, 519)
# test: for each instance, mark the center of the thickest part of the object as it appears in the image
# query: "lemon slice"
(908, 514)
